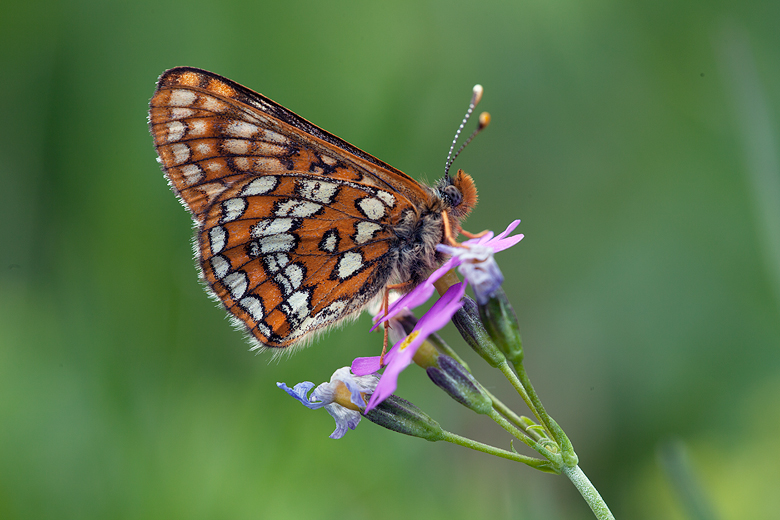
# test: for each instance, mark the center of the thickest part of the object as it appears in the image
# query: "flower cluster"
(475, 262)
(491, 328)
(474, 259)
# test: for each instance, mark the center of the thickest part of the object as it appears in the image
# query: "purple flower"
(343, 397)
(402, 353)
(475, 262)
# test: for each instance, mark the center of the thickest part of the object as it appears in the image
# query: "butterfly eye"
(462, 193)
(452, 195)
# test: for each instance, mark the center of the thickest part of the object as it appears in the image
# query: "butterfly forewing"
(208, 130)
(295, 226)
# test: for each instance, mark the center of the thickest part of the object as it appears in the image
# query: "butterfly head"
(458, 193)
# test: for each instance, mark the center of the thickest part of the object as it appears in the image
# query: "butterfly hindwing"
(291, 254)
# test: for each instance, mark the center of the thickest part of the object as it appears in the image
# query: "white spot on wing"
(233, 208)
(372, 208)
(327, 159)
(264, 329)
(297, 305)
(242, 163)
(268, 164)
(294, 273)
(330, 243)
(181, 113)
(349, 263)
(204, 148)
(241, 129)
(211, 104)
(275, 262)
(283, 283)
(220, 265)
(181, 152)
(281, 243)
(236, 283)
(386, 198)
(236, 146)
(213, 166)
(182, 98)
(217, 238)
(176, 131)
(297, 208)
(270, 135)
(365, 231)
(260, 186)
(253, 306)
(318, 191)
(263, 148)
(192, 173)
(271, 227)
(198, 128)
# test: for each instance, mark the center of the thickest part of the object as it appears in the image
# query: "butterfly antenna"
(484, 120)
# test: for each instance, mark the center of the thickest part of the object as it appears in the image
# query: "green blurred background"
(637, 141)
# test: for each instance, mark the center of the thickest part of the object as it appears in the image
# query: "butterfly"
(296, 229)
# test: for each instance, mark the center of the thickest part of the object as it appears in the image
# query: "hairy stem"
(588, 492)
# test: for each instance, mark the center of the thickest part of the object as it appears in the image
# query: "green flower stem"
(504, 410)
(553, 457)
(518, 385)
(588, 492)
(567, 450)
(540, 464)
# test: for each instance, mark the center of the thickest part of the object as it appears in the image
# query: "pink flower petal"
(363, 366)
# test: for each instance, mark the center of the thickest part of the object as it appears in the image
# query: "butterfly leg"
(449, 237)
(403, 287)
(385, 305)
(473, 235)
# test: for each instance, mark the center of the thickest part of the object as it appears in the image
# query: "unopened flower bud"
(467, 321)
(500, 321)
(402, 416)
(451, 377)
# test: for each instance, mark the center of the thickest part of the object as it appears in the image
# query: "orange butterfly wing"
(295, 226)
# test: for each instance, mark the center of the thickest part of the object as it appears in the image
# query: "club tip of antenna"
(484, 120)
(477, 94)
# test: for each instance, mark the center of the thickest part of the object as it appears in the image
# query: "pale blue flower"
(344, 397)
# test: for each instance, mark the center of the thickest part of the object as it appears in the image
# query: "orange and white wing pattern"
(289, 254)
(297, 229)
